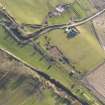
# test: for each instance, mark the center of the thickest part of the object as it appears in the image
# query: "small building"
(60, 9)
(71, 32)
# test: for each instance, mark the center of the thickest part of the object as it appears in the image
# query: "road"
(46, 29)
(86, 20)
(63, 26)
(54, 27)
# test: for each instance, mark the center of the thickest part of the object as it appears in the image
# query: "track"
(63, 26)
(45, 29)
(86, 20)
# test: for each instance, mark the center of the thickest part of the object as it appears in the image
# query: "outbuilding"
(71, 32)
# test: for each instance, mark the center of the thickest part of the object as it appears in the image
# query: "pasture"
(83, 51)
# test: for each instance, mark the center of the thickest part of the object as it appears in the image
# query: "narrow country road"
(63, 26)
(46, 29)
(86, 20)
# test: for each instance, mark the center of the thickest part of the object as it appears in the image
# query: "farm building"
(62, 7)
(71, 32)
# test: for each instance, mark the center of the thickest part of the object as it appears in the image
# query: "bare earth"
(96, 82)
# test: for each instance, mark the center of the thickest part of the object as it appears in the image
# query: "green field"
(22, 88)
(24, 12)
(33, 11)
(83, 51)
(26, 52)
(10, 45)
(78, 50)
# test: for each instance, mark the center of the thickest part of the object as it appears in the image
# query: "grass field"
(86, 6)
(33, 11)
(63, 76)
(19, 97)
(22, 87)
(83, 51)
(64, 18)
(26, 52)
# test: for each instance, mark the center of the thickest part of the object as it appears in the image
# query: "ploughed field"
(96, 81)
